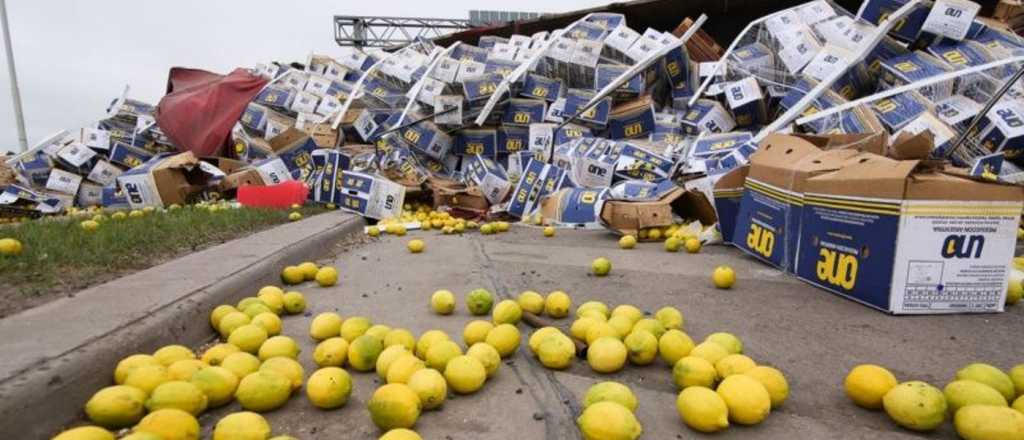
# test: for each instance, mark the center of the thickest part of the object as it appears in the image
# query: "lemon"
(141, 436)
(416, 246)
(184, 369)
(702, 409)
(774, 381)
(606, 355)
(531, 301)
(130, 363)
(549, 231)
(734, 364)
(476, 331)
(309, 270)
(10, 247)
(465, 374)
(556, 352)
(486, 229)
(329, 388)
(325, 325)
(355, 327)
(580, 326)
(294, 303)
(248, 301)
(601, 266)
(400, 336)
(217, 383)
(264, 390)
(327, 276)
(961, 393)
(402, 368)
(255, 309)
(642, 347)
(90, 225)
(672, 244)
(279, 346)
(729, 341)
(241, 364)
(363, 352)
(674, 345)
(1017, 377)
(292, 275)
(915, 405)
(670, 317)
(218, 313)
(867, 384)
(487, 355)
(116, 406)
(242, 425)
(147, 377)
(651, 325)
(172, 353)
(270, 322)
(288, 368)
(430, 386)
(427, 339)
(177, 394)
(379, 331)
(504, 338)
(985, 422)
(507, 312)
(273, 297)
(479, 302)
(295, 216)
(693, 371)
(627, 242)
(394, 405)
(634, 314)
(990, 376)
(709, 351)
(216, 354)
(401, 434)
(608, 421)
(654, 233)
(596, 306)
(502, 226)
(1019, 404)
(748, 401)
(443, 302)
(723, 277)
(539, 336)
(232, 321)
(557, 304)
(1014, 291)
(610, 392)
(622, 324)
(248, 338)
(170, 424)
(85, 433)
(600, 330)
(388, 356)
(692, 245)
(440, 353)
(594, 314)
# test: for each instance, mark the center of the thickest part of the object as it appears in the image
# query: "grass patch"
(60, 257)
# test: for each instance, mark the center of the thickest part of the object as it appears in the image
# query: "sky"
(74, 56)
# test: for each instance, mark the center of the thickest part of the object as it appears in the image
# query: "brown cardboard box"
(167, 181)
(324, 135)
(247, 176)
(226, 165)
(456, 195)
(628, 217)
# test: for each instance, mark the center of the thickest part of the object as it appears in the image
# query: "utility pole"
(15, 94)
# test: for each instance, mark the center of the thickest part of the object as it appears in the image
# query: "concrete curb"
(59, 354)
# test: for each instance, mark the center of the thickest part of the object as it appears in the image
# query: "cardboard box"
(89, 194)
(768, 224)
(574, 207)
(329, 166)
(294, 147)
(652, 205)
(63, 182)
(471, 142)
(633, 119)
(488, 176)
(371, 196)
(523, 112)
(104, 173)
(536, 181)
(907, 238)
(512, 139)
(542, 87)
(728, 192)
(164, 180)
(456, 195)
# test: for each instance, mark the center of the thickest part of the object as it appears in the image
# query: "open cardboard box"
(164, 180)
(457, 196)
(629, 217)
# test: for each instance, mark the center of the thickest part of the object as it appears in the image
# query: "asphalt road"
(814, 337)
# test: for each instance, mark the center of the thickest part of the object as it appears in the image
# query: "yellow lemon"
(402, 368)
(363, 352)
(634, 314)
(309, 270)
(217, 383)
(416, 246)
(710, 351)
(557, 304)
(443, 302)
(960, 393)
(674, 345)
(596, 306)
(654, 234)
(325, 325)
(531, 301)
(287, 367)
(606, 355)
(627, 242)
(243, 425)
(867, 384)
(388, 356)
(728, 341)
(232, 321)
(218, 313)
(476, 331)
(692, 245)
(294, 303)
(327, 276)
(241, 364)
(507, 312)
(487, 355)
(216, 354)
(257, 308)
(673, 244)
(580, 326)
(774, 381)
(85, 433)
(556, 352)
(270, 322)
(723, 277)
(116, 406)
(400, 336)
(264, 390)
(427, 339)
(177, 394)
(10, 247)
(479, 302)
(748, 401)
(184, 369)
(279, 346)
(295, 216)
(430, 386)
(173, 353)
(642, 347)
(170, 424)
(248, 338)
(292, 275)
(1014, 291)
(600, 330)
(693, 371)
(355, 327)
(622, 324)
(379, 331)
(601, 266)
(130, 363)
(990, 376)
(147, 377)
(273, 297)
(610, 392)
(394, 405)
(651, 325)
(400, 434)
(608, 421)
(504, 338)
(465, 374)
(442, 352)
(702, 409)
(1017, 377)
(734, 364)
(329, 388)
(670, 317)
(539, 335)
(984, 422)
(915, 405)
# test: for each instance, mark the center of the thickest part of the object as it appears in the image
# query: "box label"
(951, 18)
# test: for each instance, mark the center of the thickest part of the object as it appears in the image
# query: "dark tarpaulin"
(201, 107)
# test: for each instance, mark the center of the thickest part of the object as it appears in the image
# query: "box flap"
(774, 160)
(912, 147)
(863, 142)
(733, 179)
(288, 139)
(948, 186)
(865, 175)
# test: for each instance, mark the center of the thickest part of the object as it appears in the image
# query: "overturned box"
(371, 196)
(652, 205)
(166, 180)
(908, 238)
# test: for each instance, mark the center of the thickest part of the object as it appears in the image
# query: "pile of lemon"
(160, 395)
(985, 402)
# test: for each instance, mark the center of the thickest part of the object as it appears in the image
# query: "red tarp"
(201, 107)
